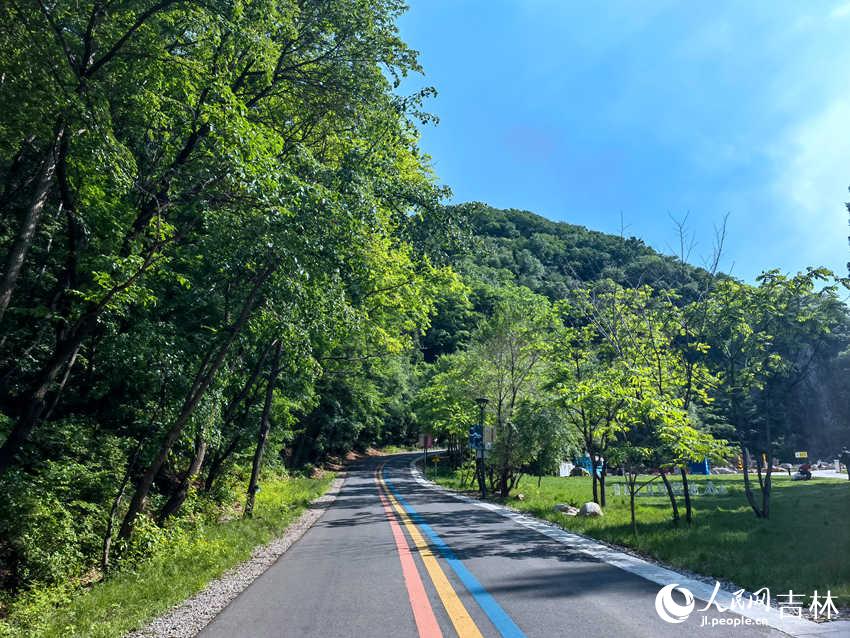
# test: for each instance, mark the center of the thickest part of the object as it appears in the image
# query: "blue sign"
(701, 467)
(476, 437)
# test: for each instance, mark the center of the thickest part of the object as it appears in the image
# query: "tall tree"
(764, 339)
(508, 349)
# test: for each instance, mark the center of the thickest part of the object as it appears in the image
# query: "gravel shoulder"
(190, 617)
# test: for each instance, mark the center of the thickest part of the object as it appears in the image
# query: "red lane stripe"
(423, 614)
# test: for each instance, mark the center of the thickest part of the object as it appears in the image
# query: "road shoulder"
(191, 616)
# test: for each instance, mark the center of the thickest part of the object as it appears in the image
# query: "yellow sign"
(801, 455)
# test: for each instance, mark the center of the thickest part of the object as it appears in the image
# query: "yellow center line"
(462, 621)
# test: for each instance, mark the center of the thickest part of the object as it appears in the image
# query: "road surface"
(393, 558)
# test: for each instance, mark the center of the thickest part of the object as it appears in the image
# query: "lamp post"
(479, 453)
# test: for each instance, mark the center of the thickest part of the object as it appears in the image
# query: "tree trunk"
(116, 503)
(230, 411)
(631, 482)
(265, 424)
(150, 473)
(221, 456)
(37, 402)
(209, 368)
(66, 348)
(673, 504)
(58, 393)
(766, 485)
(766, 488)
(479, 472)
(515, 480)
(175, 502)
(504, 480)
(218, 461)
(748, 491)
(18, 252)
(687, 494)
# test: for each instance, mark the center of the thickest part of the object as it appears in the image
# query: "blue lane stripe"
(494, 611)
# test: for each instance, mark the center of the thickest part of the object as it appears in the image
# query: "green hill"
(551, 257)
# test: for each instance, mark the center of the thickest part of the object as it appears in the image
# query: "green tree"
(764, 339)
(633, 382)
(182, 186)
(508, 350)
(592, 393)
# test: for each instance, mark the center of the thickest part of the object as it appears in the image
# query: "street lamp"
(479, 452)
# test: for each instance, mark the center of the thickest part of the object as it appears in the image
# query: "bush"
(159, 568)
(47, 537)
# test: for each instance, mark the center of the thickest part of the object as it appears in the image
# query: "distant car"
(579, 471)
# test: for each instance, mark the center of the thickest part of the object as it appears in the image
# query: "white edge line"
(632, 564)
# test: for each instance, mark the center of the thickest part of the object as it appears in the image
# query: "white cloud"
(840, 11)
(812, 182)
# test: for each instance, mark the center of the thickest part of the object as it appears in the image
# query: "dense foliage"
(211, 222)
(552, 258)
(641, 361)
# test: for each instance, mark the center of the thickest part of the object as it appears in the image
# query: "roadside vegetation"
(219, 242)
(803, 547)
(642, 379)
(169, 566)
(398, 449)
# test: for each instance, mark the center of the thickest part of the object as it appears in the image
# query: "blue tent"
(701, 467)
(586, 463)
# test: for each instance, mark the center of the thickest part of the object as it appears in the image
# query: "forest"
(225, 254)
(585, 343)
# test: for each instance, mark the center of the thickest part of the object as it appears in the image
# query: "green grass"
(805, 545)
(131, 597)
(398, 449)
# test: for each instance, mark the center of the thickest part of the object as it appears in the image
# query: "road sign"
(426, 441)
(489, 436)
(801, 455)
(476, 437)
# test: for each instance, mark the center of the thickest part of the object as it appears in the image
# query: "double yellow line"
(462, 621)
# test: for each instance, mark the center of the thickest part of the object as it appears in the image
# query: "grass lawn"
(804, 546)
(398, 449)
(130, 597)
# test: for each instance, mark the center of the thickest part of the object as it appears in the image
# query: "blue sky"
(584, 111)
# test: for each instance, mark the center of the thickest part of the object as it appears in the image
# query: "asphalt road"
(393, 558)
